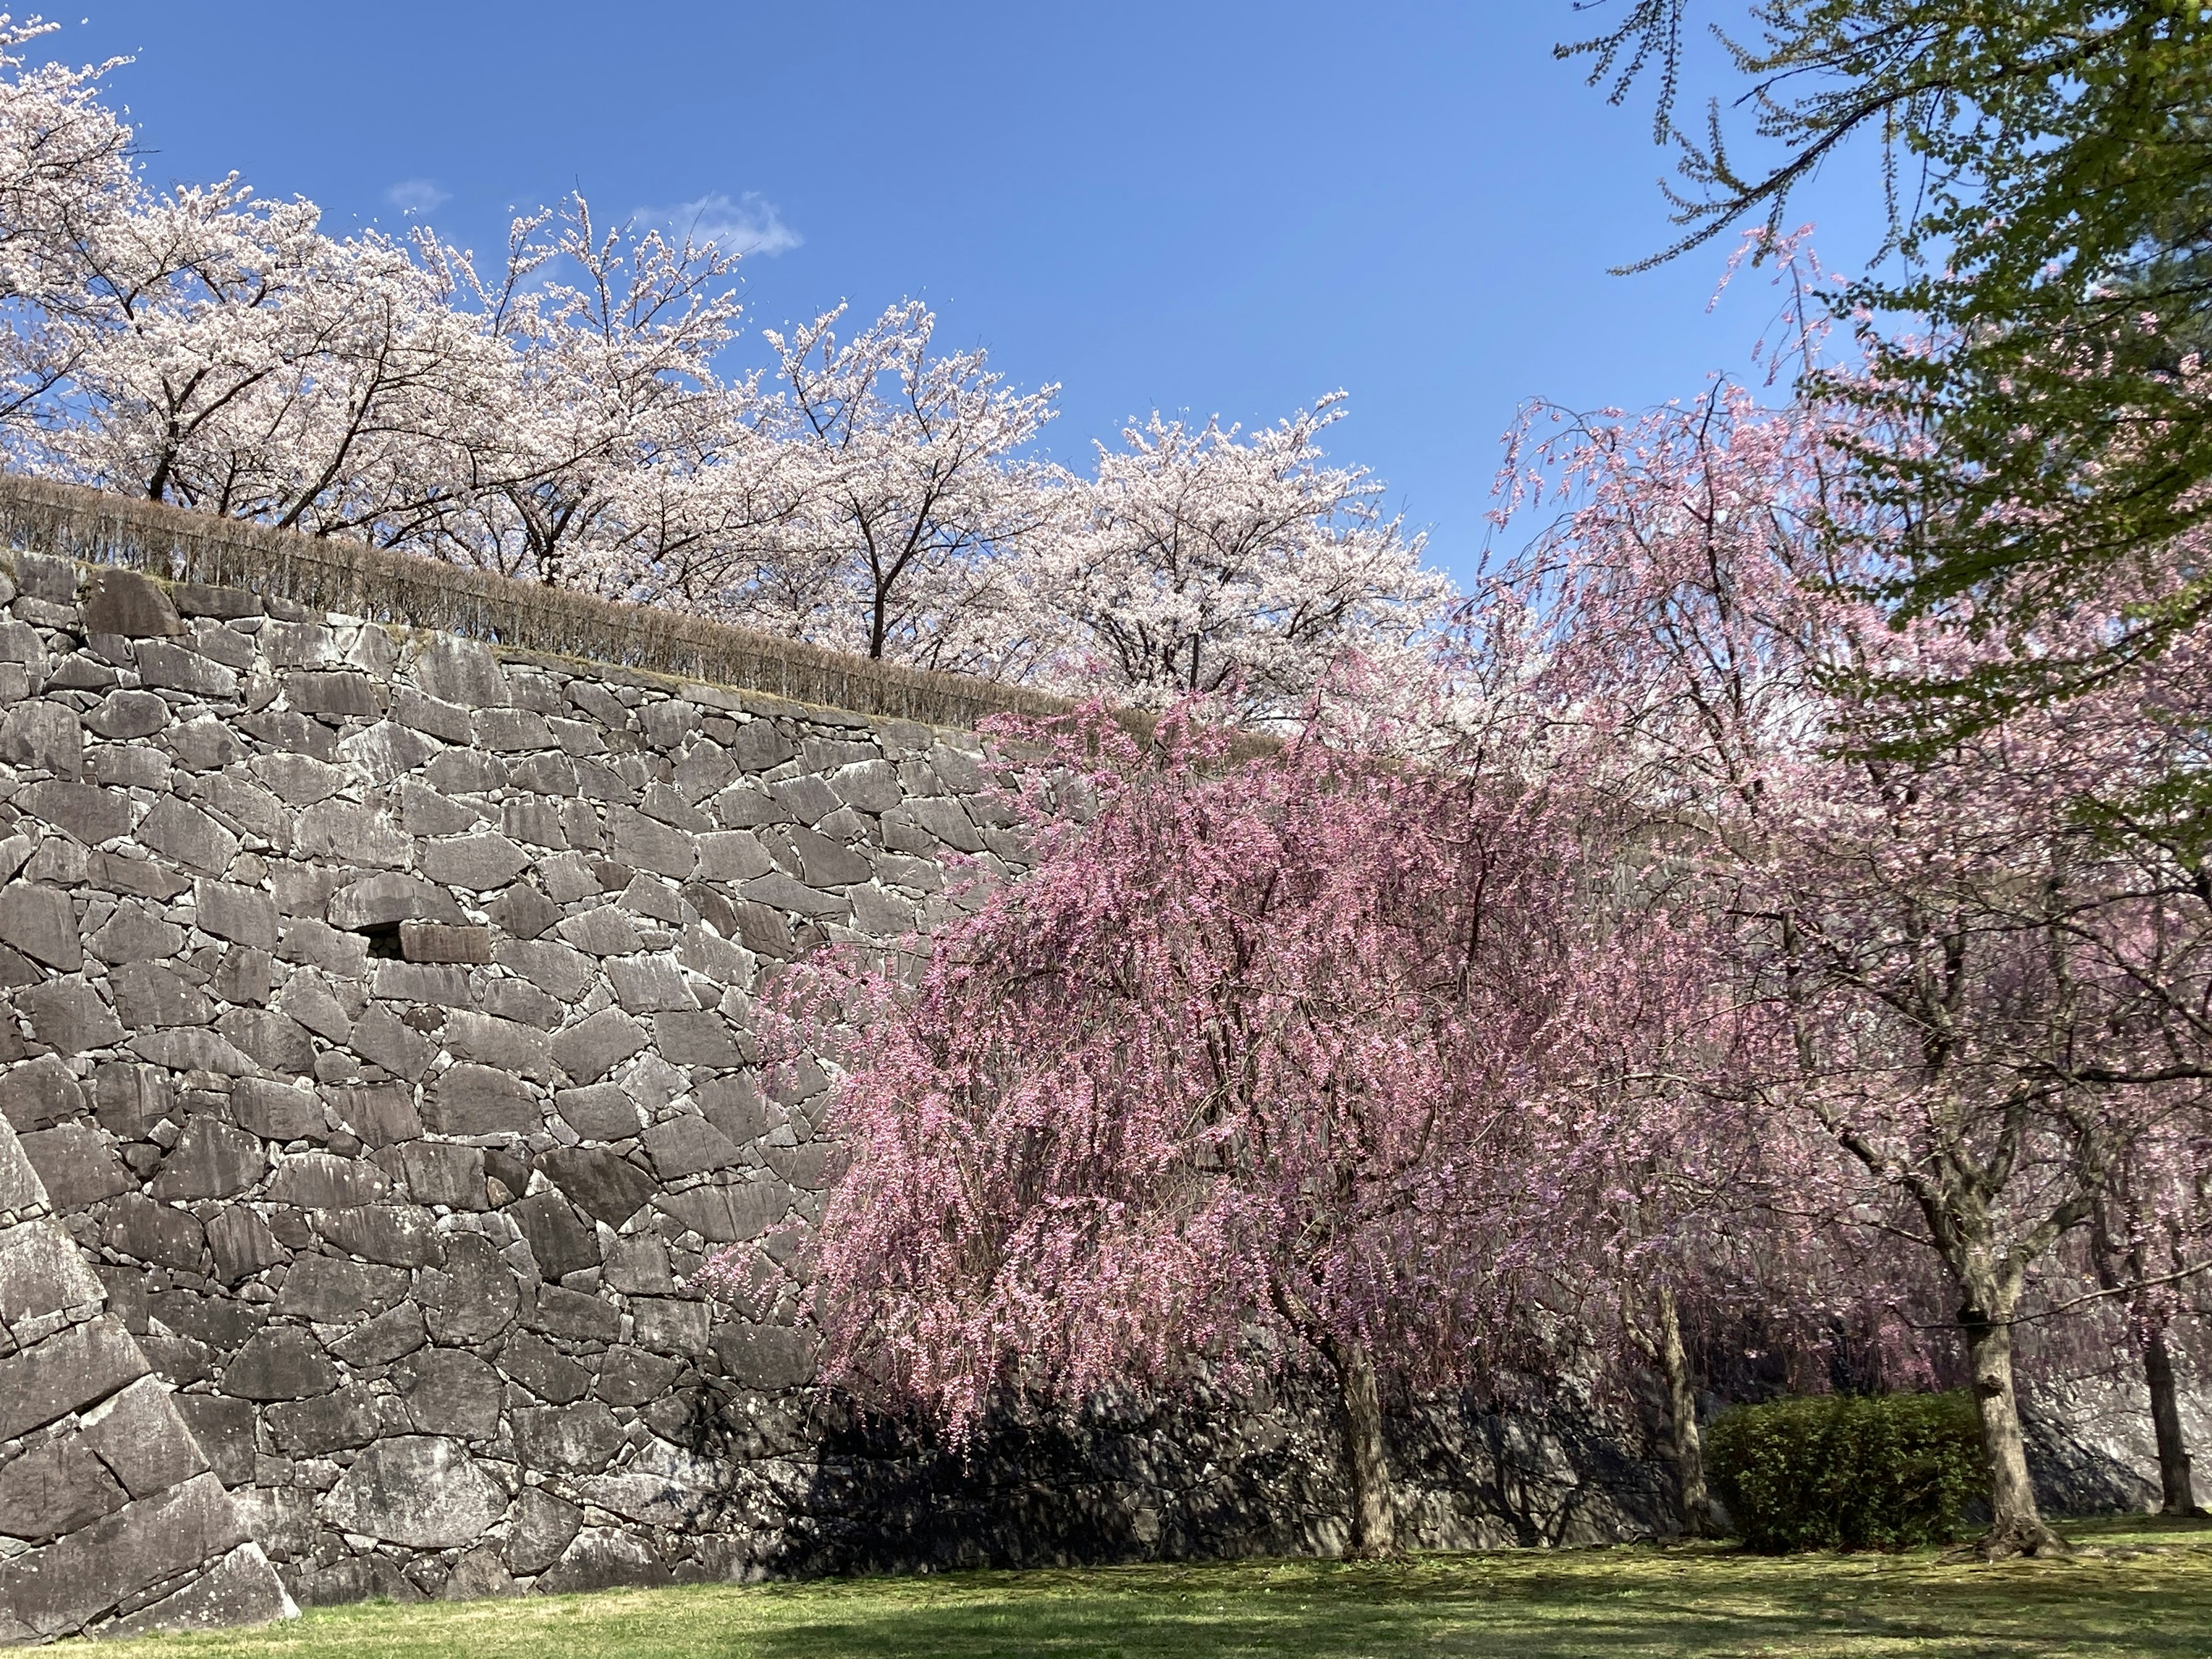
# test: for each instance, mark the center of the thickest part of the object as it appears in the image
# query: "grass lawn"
(2140, 1589)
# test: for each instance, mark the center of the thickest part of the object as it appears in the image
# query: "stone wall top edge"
(580, 633)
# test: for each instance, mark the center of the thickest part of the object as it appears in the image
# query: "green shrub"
(1847, 1471)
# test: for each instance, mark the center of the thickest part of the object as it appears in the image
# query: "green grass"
(2140, 1589)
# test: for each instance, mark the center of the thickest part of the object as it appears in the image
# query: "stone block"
(783, 892)
(281, 1362)
(646, 843)
(85, 810)
(594, 1046)
(511, 730)
(124, 602)
(541, 1530)
(607, 1187)
(378, 1114)
(442, 942)
(139, 1436)
(601, 1112)
(223, 1430)
(544, 1370)
(158, 1234)
(443, 984)
(695, 1038)
(733, 855)
(378, 1341)
(486, 1040)
(729, 1214)
(644, 984)
(56, 1488)
(460, 672)
(638, 1264)
(479, 863)
(191, 1049)
(579, 1439)
(560, 1239)
(330, 1423)
(58, 1590)
(68, 1016)
(474, 1296)
(603, 1559)
(467, 1099)
(553, 968)
(45, 737)
(154, 994)
(824, 862)
(239, 914)
(559, 1311)
(764, 1356)
(77, 1164)
(326, 1181)
(277, 1111)
(183, 835)
(240, 1589)
(357, 833)
(631, 1377)
(309, 1001)
(420, 1491)
(129, 1099)
(449, 1391)
(38, 1093)
(205, 744)
(687, 1147)
(397, 1235)
(603, 931)
(241, 1243)
(333, 693)
(380, 1037)
(671, 1324)
(384, 751)
(275, 1043)
(211, 1159)
(479, 1575)
(298, 780)
(331, 1291)
(437, 1173)
(524, 911)
(135, 933)
(40, 1270)
(72, 1369)
(390, 898)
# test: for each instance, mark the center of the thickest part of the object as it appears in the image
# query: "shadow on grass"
(2142, 1591)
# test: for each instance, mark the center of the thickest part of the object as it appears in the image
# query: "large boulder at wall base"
(419, 1490)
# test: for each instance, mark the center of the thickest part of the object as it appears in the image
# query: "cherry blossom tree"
(1212, 1090)
(229, 356)
(617, 458)
(64, 168)
(1968, 988)
(919, 499)
(1197, 559)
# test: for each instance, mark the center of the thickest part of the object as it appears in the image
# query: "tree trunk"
(2178, 1494)
(1682, 1415)
(1374, 1518)
(2015, 1526)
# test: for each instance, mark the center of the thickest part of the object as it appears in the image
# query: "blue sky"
(1209, 206)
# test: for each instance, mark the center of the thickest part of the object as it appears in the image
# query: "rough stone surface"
(111, 1522)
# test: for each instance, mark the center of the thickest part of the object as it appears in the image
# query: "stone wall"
(375, 1007)
(376, 1012)
(111, 1522)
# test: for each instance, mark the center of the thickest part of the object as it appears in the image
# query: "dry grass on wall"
(351, 577)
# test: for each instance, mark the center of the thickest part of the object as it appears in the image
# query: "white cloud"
(417, 195)
(748, 225)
